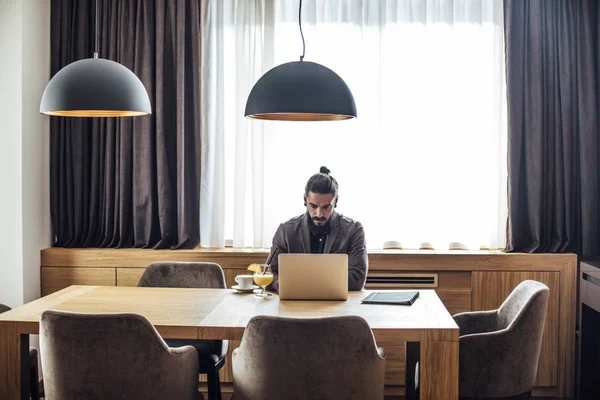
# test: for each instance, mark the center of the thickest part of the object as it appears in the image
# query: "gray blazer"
(346, 236)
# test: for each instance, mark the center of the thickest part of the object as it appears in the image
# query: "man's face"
(320, 207)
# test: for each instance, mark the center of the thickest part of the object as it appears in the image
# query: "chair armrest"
(182, 350)
(179, 370)
(476, 321)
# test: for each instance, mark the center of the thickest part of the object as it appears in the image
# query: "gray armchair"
(499, 349)
(284, 358)
(211, 353)
(112, 356)
(34, 377)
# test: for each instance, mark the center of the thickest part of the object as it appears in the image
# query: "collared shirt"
(317, 242)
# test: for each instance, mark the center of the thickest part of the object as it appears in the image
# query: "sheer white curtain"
(424, 161)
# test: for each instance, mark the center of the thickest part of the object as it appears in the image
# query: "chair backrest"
(281, 358)
(183, 275)
(527, 295)
(4, 308)
(112, 356)
(504, 362)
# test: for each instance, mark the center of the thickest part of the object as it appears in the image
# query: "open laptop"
(313, 276)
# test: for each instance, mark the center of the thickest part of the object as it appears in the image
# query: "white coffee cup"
(244, 281)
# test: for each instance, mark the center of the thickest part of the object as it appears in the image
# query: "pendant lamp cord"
(96, 33)
(301, 34)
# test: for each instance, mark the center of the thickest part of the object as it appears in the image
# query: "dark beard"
(318, 229)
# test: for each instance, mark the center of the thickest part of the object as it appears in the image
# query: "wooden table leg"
(438, 377)
(14, 360)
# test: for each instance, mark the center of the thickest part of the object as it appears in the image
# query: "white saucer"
(250, 289)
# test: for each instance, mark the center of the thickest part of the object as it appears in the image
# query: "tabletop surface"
(223, 313)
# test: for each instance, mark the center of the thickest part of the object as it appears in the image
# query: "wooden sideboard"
(464, 281)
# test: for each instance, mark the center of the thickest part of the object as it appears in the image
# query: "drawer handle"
(586, 277)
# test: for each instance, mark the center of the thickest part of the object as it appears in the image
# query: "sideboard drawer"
(57, 278)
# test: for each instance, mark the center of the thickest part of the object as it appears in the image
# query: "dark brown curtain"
(553, 83)
(135, 181)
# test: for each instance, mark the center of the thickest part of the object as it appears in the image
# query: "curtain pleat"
(135, 181)
(553, 81)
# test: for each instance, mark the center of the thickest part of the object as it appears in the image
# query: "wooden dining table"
(224, 314)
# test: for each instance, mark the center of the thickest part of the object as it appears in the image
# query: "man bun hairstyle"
(322, 183)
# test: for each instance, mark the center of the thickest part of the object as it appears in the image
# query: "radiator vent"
(398, 280)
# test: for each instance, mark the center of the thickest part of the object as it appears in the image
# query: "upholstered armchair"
(112, 356)
(34, 377)
(499, 349)
(284, 358)
(211, 353)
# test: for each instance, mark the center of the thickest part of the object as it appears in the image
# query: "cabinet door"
(57, 278)
(129, 276)
(490, 289)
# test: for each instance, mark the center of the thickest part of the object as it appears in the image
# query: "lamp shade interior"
(95, 87)
(301, 91)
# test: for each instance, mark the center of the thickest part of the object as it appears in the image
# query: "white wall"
(24, 148)
(35, 143)
(11, 232)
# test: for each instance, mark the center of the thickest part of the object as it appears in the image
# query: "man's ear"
(304, 200)
(336, 201)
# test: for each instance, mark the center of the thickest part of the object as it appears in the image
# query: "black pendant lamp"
(301, 91)
(95, 87)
